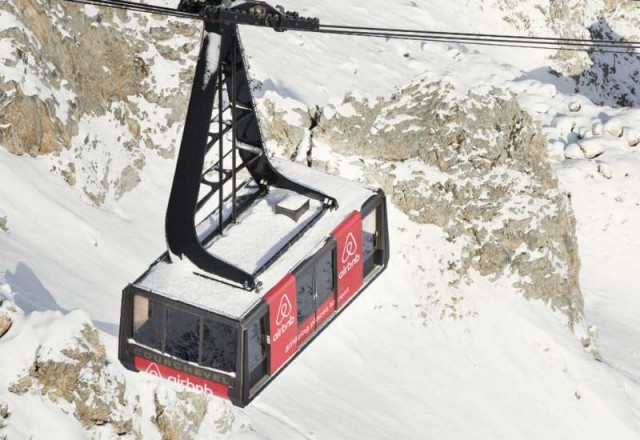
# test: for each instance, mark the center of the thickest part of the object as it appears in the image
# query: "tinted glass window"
(369, 228)
(306, 302)
(219, 346)
(324, 277)
(183, 335)
(148, 322)
(155, 323)
(257, 361)
(255, 345)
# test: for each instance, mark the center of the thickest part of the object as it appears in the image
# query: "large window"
(183, 335)
(315, 285)
(148, 322)
(219, 346)
(211, 344)
(369, 240)
(256, 352)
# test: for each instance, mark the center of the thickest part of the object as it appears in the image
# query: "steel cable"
(138, 7)
(524, 38)
(593, 45)
(495, 40)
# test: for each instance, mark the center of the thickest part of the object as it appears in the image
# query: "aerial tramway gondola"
(263, 253)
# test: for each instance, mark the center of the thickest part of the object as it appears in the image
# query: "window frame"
(261, 312)
(377, 205)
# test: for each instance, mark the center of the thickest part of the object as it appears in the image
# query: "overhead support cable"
(478, 39)
(138, 7)
(524, 38)
(558, 44)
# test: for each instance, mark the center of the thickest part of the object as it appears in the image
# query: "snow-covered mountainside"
(510, 306)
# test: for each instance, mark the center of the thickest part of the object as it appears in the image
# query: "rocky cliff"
(96, 89)
(605, 78)
(71, 372)
(474, 165)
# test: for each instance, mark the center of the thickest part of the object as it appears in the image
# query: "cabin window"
(256, 351)
(370, 236)
(219, 346)
(305, 296)
(183, 335)
(369, 230)
(148, 322)
(325, 285)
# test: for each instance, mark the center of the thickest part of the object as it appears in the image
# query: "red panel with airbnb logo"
(189, 381)
(348, 238)
(283, 312)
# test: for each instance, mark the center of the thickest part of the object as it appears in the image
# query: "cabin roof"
(256, 238)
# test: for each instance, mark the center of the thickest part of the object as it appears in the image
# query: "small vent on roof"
(293, 206)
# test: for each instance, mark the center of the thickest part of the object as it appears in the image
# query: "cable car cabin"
(212, 336)
(263, 253)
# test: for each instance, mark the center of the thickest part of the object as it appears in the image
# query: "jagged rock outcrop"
(5, 322)
(96, 87)
(7, 311)
(605, 78)
(179, 414)
(288, 127)
(4, 414)
(71, 368)
(4, 225)
(484, 178)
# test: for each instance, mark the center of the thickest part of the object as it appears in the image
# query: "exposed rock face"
(179, 414)
(605, 78)
(4, 226)
(80, 376)
(4, 414)
(7, 309)
(72, 370)
(484, 180)
(116, 79)
(288, 127)
(5, 324)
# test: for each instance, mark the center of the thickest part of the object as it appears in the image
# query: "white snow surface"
(413, 357)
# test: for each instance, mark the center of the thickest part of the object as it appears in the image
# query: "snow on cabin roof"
(252, 241)
(260, 233)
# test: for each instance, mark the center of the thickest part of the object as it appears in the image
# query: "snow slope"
(419, 359)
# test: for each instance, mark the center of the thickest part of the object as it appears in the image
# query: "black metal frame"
(381, 253)
(230, 78)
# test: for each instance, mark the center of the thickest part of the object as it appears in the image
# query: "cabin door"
(315, 292)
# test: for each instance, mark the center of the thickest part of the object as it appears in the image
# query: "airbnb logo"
(153, 370)
(284, 319)
(350, 256)
(350, 248)
(284, 309)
